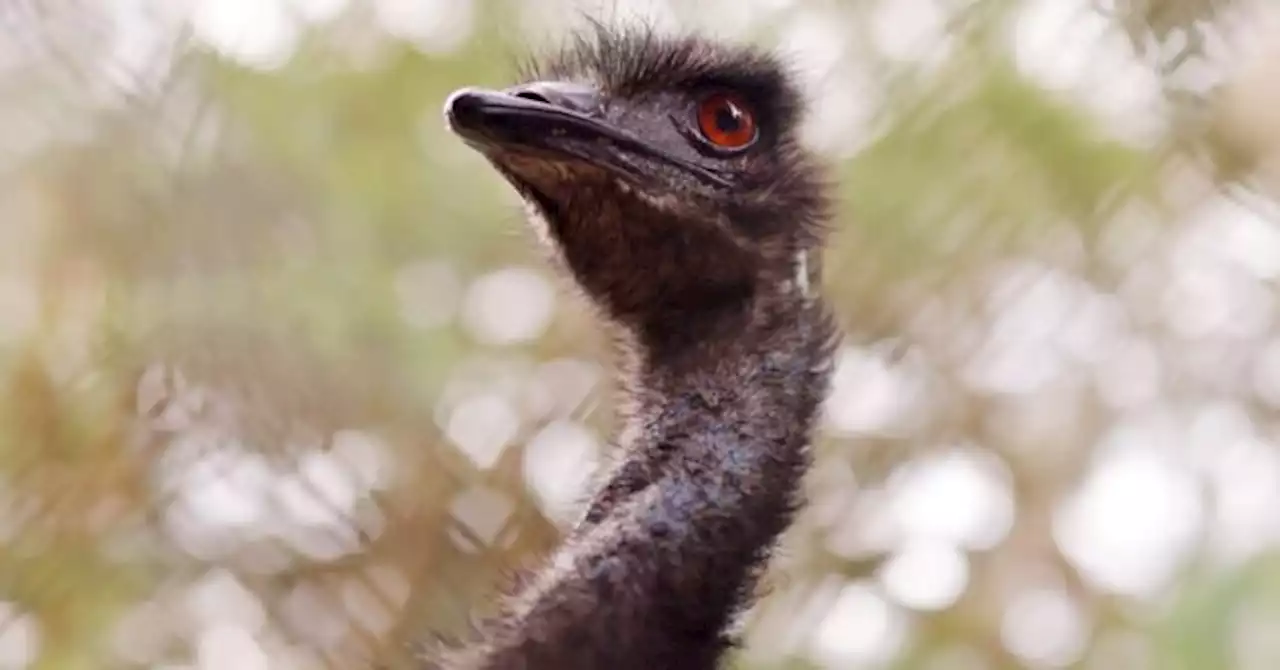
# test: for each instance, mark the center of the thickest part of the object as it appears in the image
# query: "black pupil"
(728, 118)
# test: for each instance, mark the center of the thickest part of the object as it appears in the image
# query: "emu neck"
(713, 452)
(741, 396)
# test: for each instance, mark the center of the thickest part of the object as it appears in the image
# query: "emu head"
(665, 171)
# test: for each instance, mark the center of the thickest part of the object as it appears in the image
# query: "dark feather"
(724, 352)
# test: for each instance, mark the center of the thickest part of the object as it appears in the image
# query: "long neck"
(715, 446)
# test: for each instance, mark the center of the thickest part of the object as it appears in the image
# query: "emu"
(666, 176)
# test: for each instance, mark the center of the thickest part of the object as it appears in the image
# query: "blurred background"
(285, 384)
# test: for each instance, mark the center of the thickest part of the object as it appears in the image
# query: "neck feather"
(714, 447)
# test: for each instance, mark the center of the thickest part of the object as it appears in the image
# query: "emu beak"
(558, 120)
(514, 115)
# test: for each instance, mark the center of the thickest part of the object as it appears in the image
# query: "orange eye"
(726, 122)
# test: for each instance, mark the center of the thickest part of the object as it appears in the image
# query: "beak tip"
(461, 107)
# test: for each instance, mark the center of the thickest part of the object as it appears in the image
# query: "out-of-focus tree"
(284, 383)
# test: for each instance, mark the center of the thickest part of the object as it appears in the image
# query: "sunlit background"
(285, 384)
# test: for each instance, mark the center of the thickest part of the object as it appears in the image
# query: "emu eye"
(726, 122)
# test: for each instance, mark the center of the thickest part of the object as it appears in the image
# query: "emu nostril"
(532, 95)
(574, 97)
